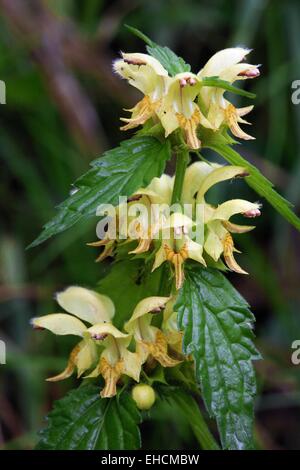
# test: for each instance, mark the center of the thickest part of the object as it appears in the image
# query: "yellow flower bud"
(144, 396)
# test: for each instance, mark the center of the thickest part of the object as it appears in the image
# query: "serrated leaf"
(119, 172)
(217, 326)
(258, 182)
(219, 83)
(168, 59)
(84, 421)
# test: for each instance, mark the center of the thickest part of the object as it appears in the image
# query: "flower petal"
(86, 356)
(143, 72)
(132, 364)
(239, 72)
(160, 258)
(213, 245)
(228, 255)
(101, 330)
(235, 228)
(194, 250)
(178, 220)
(86, 304)
(147, 305)
(218, 175)
(111, 375)
(234, 206)
(68, 371)
(60, 324)
(159, 350)
(222, 60)
(193, 178)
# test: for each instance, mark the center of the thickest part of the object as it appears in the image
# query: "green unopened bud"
(144, 396)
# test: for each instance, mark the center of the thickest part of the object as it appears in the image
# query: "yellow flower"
(147, 75)
(116, 359)
(150, 340)
(82, 304)
(194, 175)
(170, 329)
(177, 246)
(131, 223)
(218, 239)
(184, 101)
(226, 65)
(179, 110)
(155, 198)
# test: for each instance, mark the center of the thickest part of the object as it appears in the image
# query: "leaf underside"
(217, 326)
(119, 172)
(84, 421)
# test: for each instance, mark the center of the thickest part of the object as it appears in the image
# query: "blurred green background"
(63, 105)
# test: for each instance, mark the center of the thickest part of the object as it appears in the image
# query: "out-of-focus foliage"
(62, 110)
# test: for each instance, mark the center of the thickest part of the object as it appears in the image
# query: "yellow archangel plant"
(174, 318)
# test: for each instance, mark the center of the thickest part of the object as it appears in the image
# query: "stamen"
(135, 61)
(98, 336)
(156, 310)
(192, 81)
(252, 213)
(250, 73)
(137, 197)
(178, 230)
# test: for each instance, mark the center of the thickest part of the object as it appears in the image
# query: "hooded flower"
(147, 75)
(184, 101)
(177, 246)
(150, 340)
(226, 65)
(156, 199)
(116, 359)
(179, 109)
(139, 219)
(218, 239)
(82, 304)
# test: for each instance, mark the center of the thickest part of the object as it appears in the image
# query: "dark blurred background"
(62, 110)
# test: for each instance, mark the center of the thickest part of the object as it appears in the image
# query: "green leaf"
(258, 182)
(219, 83)
(136, 32)
(119, 172)
(217, 326)
(84, 421)
(168, 59)
(184, 402)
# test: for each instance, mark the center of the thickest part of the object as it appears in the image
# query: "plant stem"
(203, 434)
(198, 424)
(182, 159)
